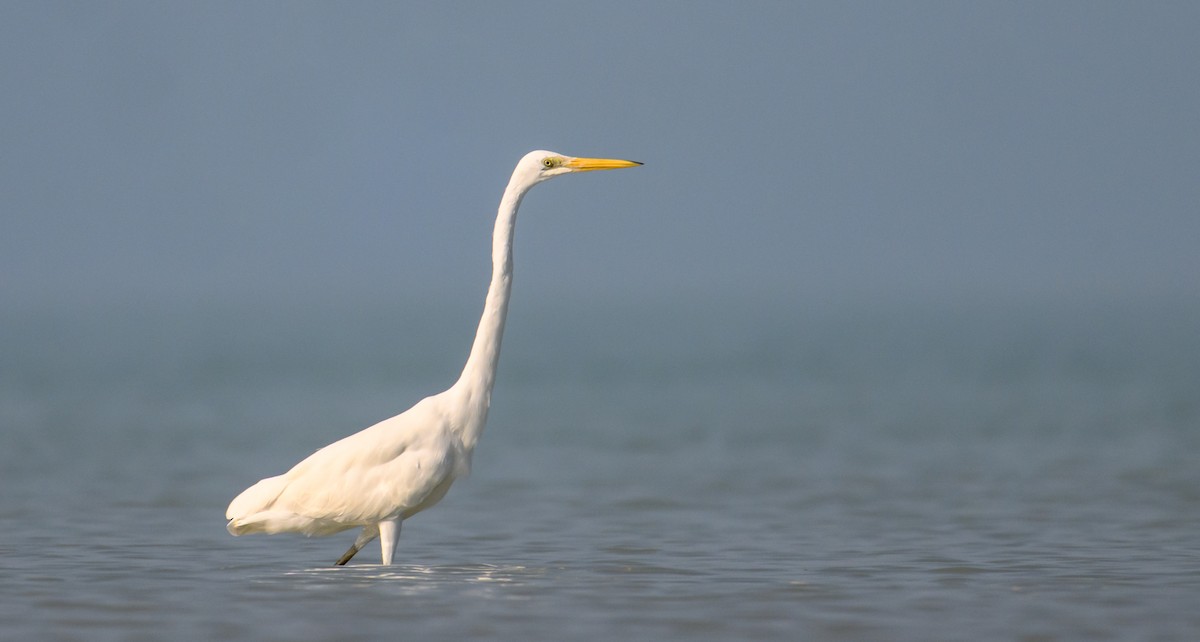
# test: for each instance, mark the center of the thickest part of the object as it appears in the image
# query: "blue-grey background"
(823, 151)
(894, 334)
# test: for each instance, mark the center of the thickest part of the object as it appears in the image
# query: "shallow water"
(877, 477)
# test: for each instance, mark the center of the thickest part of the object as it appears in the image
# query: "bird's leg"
(368, 533)
(389, 537)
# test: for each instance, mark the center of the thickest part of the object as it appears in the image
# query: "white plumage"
(397, 467)
(377, 478)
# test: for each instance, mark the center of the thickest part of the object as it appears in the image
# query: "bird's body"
(377, 478)
(393, 469)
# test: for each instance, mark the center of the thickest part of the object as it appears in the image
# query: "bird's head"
(541, 165)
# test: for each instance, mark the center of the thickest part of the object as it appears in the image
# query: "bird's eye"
(548, 163)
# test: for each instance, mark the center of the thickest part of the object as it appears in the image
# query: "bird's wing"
(378, 473)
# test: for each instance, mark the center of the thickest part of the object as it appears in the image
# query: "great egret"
(397, 468)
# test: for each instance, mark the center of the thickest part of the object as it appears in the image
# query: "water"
(662, 473)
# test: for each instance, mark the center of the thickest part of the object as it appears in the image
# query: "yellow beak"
(592, 164)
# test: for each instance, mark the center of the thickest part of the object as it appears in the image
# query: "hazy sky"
(247, 150)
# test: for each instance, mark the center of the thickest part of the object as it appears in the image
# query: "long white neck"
(479, 374)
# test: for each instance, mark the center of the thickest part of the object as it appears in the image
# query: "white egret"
(377, 478)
